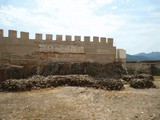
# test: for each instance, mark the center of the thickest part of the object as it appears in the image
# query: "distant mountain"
(152, 55)
(136, 58)
(144, 56)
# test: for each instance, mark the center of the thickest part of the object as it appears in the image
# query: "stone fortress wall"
(99, 50)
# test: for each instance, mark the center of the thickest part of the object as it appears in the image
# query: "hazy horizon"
(133, 24)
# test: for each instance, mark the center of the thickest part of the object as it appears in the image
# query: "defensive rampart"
(99, 50)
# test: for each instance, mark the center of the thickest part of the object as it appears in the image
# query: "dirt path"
(79, 103)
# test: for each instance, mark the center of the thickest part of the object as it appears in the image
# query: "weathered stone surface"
(111, 70)
(7, 72)
(102, 50)
(144, 67)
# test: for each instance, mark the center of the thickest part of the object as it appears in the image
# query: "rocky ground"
(81, 103)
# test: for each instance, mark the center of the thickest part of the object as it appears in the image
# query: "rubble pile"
(38, 82)
(142, 76)
(128, 78)
(112, 84)
(141, 83)
(140, 80)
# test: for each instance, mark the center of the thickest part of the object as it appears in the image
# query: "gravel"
(81, 103)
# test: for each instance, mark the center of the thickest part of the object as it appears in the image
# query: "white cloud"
(114, 7)
(86, 17)
(64, 17)
(99, 3)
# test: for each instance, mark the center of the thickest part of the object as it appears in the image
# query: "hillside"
(144, 56)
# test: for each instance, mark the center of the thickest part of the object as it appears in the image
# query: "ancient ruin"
(22, 57)
(100, 50)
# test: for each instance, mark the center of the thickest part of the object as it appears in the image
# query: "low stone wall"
(147, 67)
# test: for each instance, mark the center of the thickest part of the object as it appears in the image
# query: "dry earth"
(80, 103)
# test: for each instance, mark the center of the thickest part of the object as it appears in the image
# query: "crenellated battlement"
(12, 34)
(24, 35)
(63, 48)
(1, 33)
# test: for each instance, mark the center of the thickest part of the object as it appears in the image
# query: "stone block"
(49, 37)
(68, 38)
(1, 33)
(77, 38)
(103, 40)
(110, 41)
(87, 39)
(58, 38)
(96, 39)
(24, 35)
(12, 34)
(38, 36)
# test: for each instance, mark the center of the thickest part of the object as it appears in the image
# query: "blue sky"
(134, 24)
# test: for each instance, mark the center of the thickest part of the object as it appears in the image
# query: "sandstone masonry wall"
(99, 50)
(147, 67)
